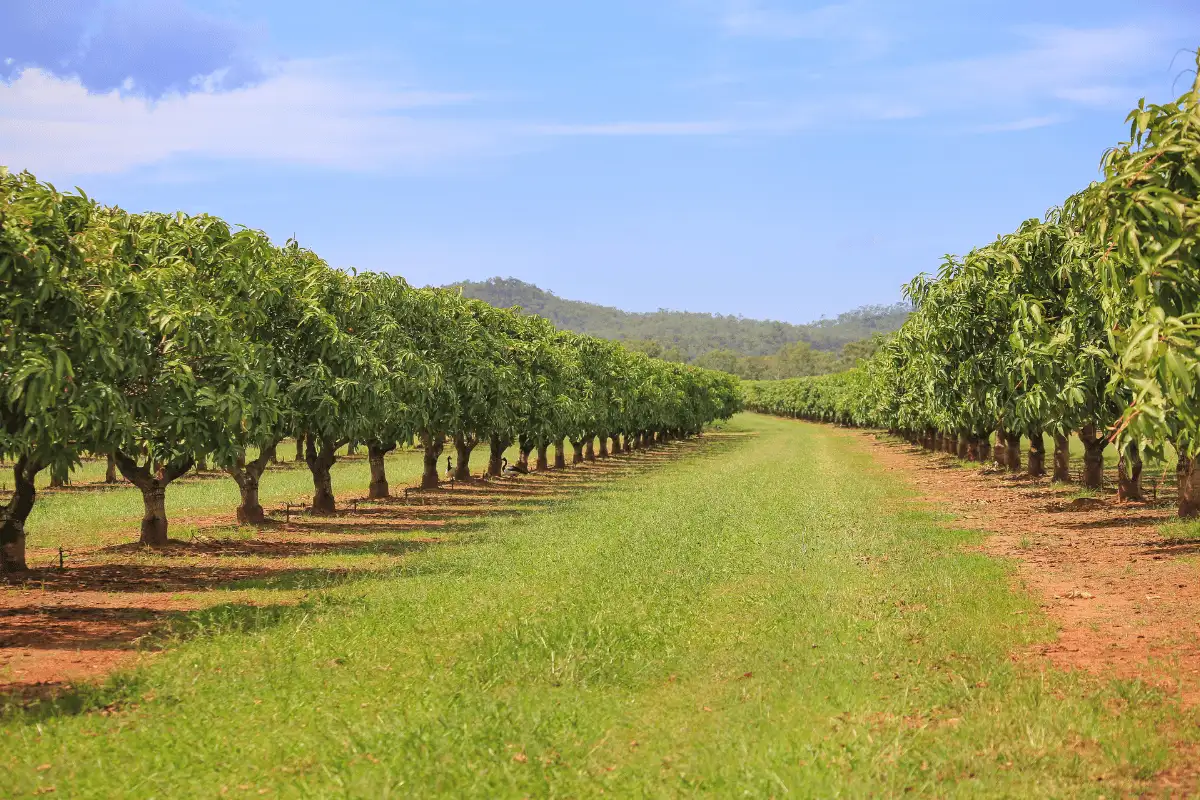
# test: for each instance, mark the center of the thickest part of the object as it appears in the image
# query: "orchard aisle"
(773, 615)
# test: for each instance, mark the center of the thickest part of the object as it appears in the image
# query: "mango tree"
(1145, 214)
(196, 380)
(66, 323)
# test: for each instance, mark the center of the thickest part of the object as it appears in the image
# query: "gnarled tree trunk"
(1093, 457)
(524, 448)
(247, 476)
(377, 452)
(543, 459)
(616, 444)
(984, 445)
(299, 447)
(14, 513)
(1062, 458)
(1037, 454)
(963, 446)
(1012, 451)
(153, 486)
(999, 451)
(497, 444)
(602, 447)
(560, 454)
(432, 457)
(463, 445)
(1187, 471)
(589, 448)
(110, 471)
(1129, 474)
(320, 454)
(576, 451)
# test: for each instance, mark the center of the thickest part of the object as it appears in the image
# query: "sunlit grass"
(773, 619)
(89, 513)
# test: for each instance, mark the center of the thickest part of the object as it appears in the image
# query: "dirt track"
(1125, 597)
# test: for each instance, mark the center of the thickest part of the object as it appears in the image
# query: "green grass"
(772, 619)
(89, 515)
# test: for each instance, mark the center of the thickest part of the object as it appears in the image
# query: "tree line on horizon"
(749, 348)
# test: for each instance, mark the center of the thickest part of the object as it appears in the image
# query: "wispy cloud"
(684, 128)
(301, 113)
(852, 22)
(327, 114)
(1023, 124)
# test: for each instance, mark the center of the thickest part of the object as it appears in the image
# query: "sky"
(765, 158)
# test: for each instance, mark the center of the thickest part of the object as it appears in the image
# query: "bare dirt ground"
(1125, 596)
(59, 627)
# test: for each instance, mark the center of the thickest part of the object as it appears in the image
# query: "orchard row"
(1085, 322)
(163, 339)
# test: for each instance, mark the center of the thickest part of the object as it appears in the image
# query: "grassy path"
(771, 619)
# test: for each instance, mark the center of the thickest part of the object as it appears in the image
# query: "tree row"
(163, 339)
(1084, 322)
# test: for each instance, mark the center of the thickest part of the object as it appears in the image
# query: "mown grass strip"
(767, 619)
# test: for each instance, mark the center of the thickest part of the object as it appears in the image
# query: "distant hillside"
(690, 334)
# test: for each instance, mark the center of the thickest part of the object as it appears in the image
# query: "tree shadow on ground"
(250, 558)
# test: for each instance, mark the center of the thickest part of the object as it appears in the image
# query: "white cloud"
(323, 114)
(303, 113)
(694, 128)
(851, 22)
(1024, 124)
(1090, 67)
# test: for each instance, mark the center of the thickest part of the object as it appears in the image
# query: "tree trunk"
(1037, 454)
(1093, 457)
(1188, 473)
(321, 454)
(576, 451)
(985, 446)
(110, 472)
(1129, 474)
(352, 448)
(560, 454)
(14, 513)
(963, 447)
(299, 447)
(1012, 451)
(602, 449)
(497, 446)
(433, 455)
(154, 493)
(543, 460)
(377, 452)
(589, 448)
(463, 446)
(615, 449)
(1062, 458)
(524, 448)
(247, 477)
(57, 479)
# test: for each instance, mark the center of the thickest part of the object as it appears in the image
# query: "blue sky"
(770, 158)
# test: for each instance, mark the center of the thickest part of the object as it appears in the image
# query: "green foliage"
(1088, 320)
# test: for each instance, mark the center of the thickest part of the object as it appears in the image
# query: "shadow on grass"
(123, 691)
(370, 528)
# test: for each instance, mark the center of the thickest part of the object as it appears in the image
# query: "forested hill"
(692, 334)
